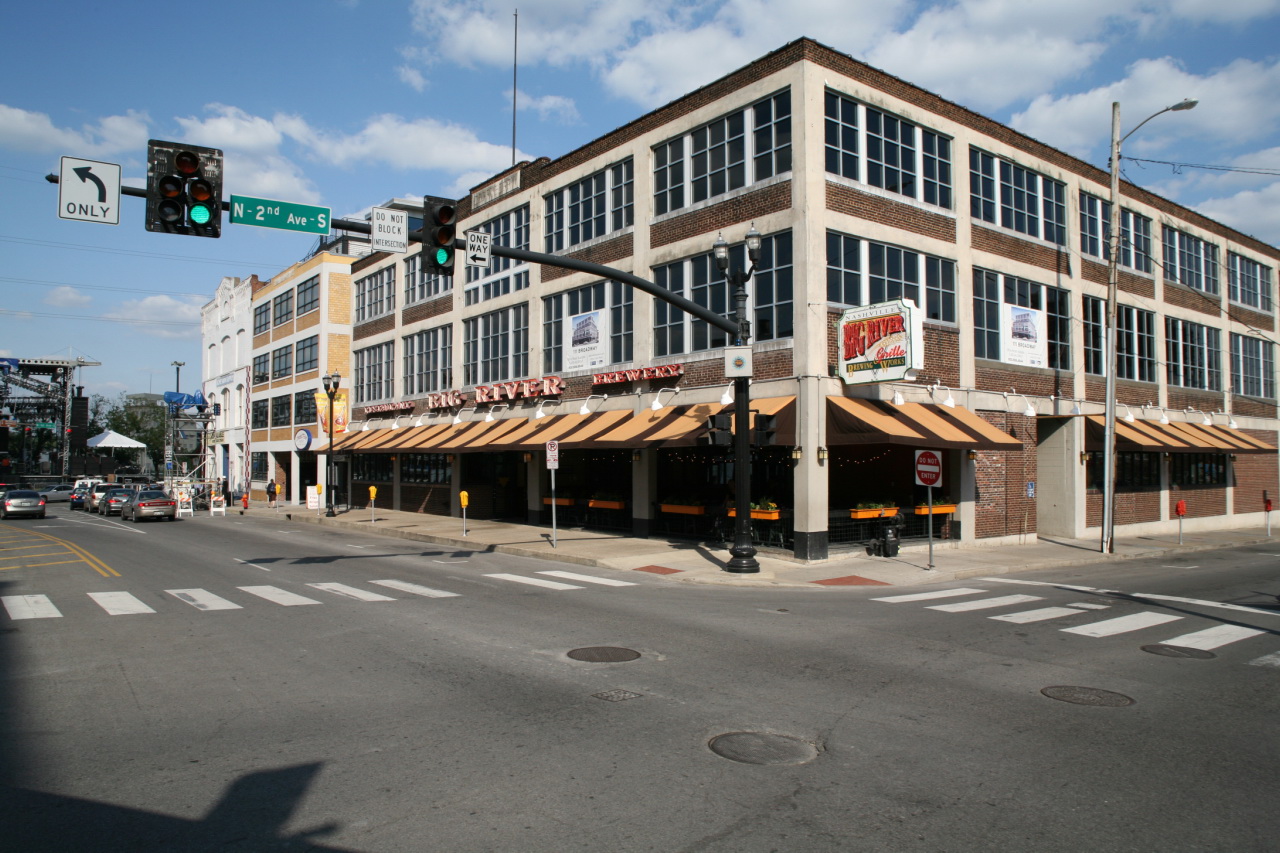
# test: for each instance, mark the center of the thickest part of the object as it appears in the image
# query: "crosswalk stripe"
(1036, 615)
(573, 576)
(120, 603)
(925, 596)
(1267, 660)
(1122, 624)
(534, 581)
(985, 603)
(276, 595)
(202, 599)
(405, 586)
(30, 607)
(1215, 637)
(351, 592)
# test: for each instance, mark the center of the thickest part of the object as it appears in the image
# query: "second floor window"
(376, 294)
(307, 354)
(419, 285)
(261, 368)
(594, 206)
(259, 414)
(1135, 341)
(1253, 368)
(1193, 355)
(1014, 197)
(282, 362)
(1190, 261)
(607, 334)
(428, 361)
(1095, 234)
(375, 373)
(1248, 282)
(992, 290)
(281, 410)
(892, 273)
(496, 346)
(304, 407)
(510, 230)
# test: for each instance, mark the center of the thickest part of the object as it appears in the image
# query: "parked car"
(96, 494)
(77, 499)
(58, 493)
(111, 500)
(151, 503)
(17, 502)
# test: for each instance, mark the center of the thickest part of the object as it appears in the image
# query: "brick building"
(865, 190)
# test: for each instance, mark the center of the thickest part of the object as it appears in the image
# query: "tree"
(139, 420)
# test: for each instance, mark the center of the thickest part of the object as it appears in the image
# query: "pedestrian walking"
(271, 493)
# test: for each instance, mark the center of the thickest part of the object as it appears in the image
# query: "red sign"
(928, 468)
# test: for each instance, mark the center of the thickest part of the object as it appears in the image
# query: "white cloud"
(162, 308)
(67, 297)
(549, 107)
(111, 135)
(412, 77)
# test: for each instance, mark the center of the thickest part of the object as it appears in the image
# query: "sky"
(349, 103)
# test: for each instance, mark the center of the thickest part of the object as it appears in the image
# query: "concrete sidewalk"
(702, 562)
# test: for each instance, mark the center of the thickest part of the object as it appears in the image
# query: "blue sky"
(348, 103)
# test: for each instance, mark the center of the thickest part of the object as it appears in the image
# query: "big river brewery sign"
(881, 343)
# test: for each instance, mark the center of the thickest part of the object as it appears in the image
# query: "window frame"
(1016, 197)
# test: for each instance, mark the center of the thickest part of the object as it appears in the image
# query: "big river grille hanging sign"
(881, 343)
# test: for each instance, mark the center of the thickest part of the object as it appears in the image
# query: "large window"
(372, 467)
(1193, 355)
(282, 362)
(428, 361)
(1135, 341)
(613, 299)
(375, 373)
(699, 279)
(877, 148)
(1004, 193)
(281, 409)
(1190, 261)
(426, 468)
(420, 285)
(262, 318)
(1095, 234)
(1253, 369)
(729, 153)
(496, 346)
(376, 294)
(597, 205)
(990, 289)
(260, 413)
(510, 230)
(492, 288)
(309, 295)
(1248, 282)
(261, 368)
(282, 308)
(304, 407)
(1197, 469)
(258, 463)
(307, 354)
(1136, 471)
(891, 273)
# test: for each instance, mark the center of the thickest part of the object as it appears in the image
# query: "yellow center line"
(25, 556)
(97, 565)
(33, 565)
(21, 547)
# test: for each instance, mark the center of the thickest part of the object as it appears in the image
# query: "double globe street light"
(331, 383)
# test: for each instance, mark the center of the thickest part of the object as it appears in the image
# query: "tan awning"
(1176, 437)
(851, 420)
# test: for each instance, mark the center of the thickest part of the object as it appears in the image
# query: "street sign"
(553, 455)
(89, 191)
(286, 215)
(390, 230)
(928, 468)
(479, 248)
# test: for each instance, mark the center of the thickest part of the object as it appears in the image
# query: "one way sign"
(89, 191)
(479, 248)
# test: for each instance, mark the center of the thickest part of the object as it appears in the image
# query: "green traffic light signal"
(439, 230)
(184, 189)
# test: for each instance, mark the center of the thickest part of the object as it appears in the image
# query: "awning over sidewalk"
(851, 420)
(1179, 437)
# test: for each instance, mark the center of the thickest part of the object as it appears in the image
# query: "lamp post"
(1113, 242)
(177, 375)
(331, 383)
(744, 553)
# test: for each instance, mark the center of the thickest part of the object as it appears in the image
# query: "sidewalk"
(698, 562)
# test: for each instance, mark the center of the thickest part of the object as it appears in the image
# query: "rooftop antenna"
(515, 57)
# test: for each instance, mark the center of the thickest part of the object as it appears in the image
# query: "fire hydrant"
(244, 500)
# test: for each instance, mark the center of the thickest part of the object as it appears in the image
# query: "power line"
(100, 319)
(40, 283)
(1176, 166)
(133, 253)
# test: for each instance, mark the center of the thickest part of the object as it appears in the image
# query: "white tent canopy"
(113, 439)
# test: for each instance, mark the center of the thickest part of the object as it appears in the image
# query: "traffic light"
(184, 189)
(766, 430)
(439, 230)
(719, 431)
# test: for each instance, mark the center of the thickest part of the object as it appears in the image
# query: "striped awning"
(1173, 437)
(851, 420)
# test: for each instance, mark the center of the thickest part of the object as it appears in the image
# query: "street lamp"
(744, 553)
(177, 375)
(1113, 241)
(331, 383)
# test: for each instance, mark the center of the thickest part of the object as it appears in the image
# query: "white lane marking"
(925, 596)
(1036, 615)
(1212, 638)
(1048, 583)
(450, 562)
(255, 565)
(1148, 596)
(1122, 624)
(120, 603)
(534, 581)
(360, 547)
(1179, 567)
(276, 595)
(30, 607)
(202, 599)
(350, 592)
(985, 603)
(405, 586)
(1089, 605)
(572, 576)
(1267, 660)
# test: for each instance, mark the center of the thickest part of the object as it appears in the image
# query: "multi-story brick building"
(866, 190)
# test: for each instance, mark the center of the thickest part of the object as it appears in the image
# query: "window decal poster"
(1025, 336)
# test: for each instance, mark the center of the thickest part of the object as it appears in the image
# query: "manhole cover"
(1088, 696)
(763, 748)
(604, 654)
(1178, 652)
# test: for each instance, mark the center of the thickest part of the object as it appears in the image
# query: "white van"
(88, 483)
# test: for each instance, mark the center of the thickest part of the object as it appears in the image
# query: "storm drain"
(1178, 652)
(604, 654)
(763, 748)
(1088, 696)
(616, 695)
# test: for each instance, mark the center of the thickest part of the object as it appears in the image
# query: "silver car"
(110, 501)
(54, 494)
(149, 504)
(19, 502)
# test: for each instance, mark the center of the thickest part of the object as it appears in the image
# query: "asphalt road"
(238, 684)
